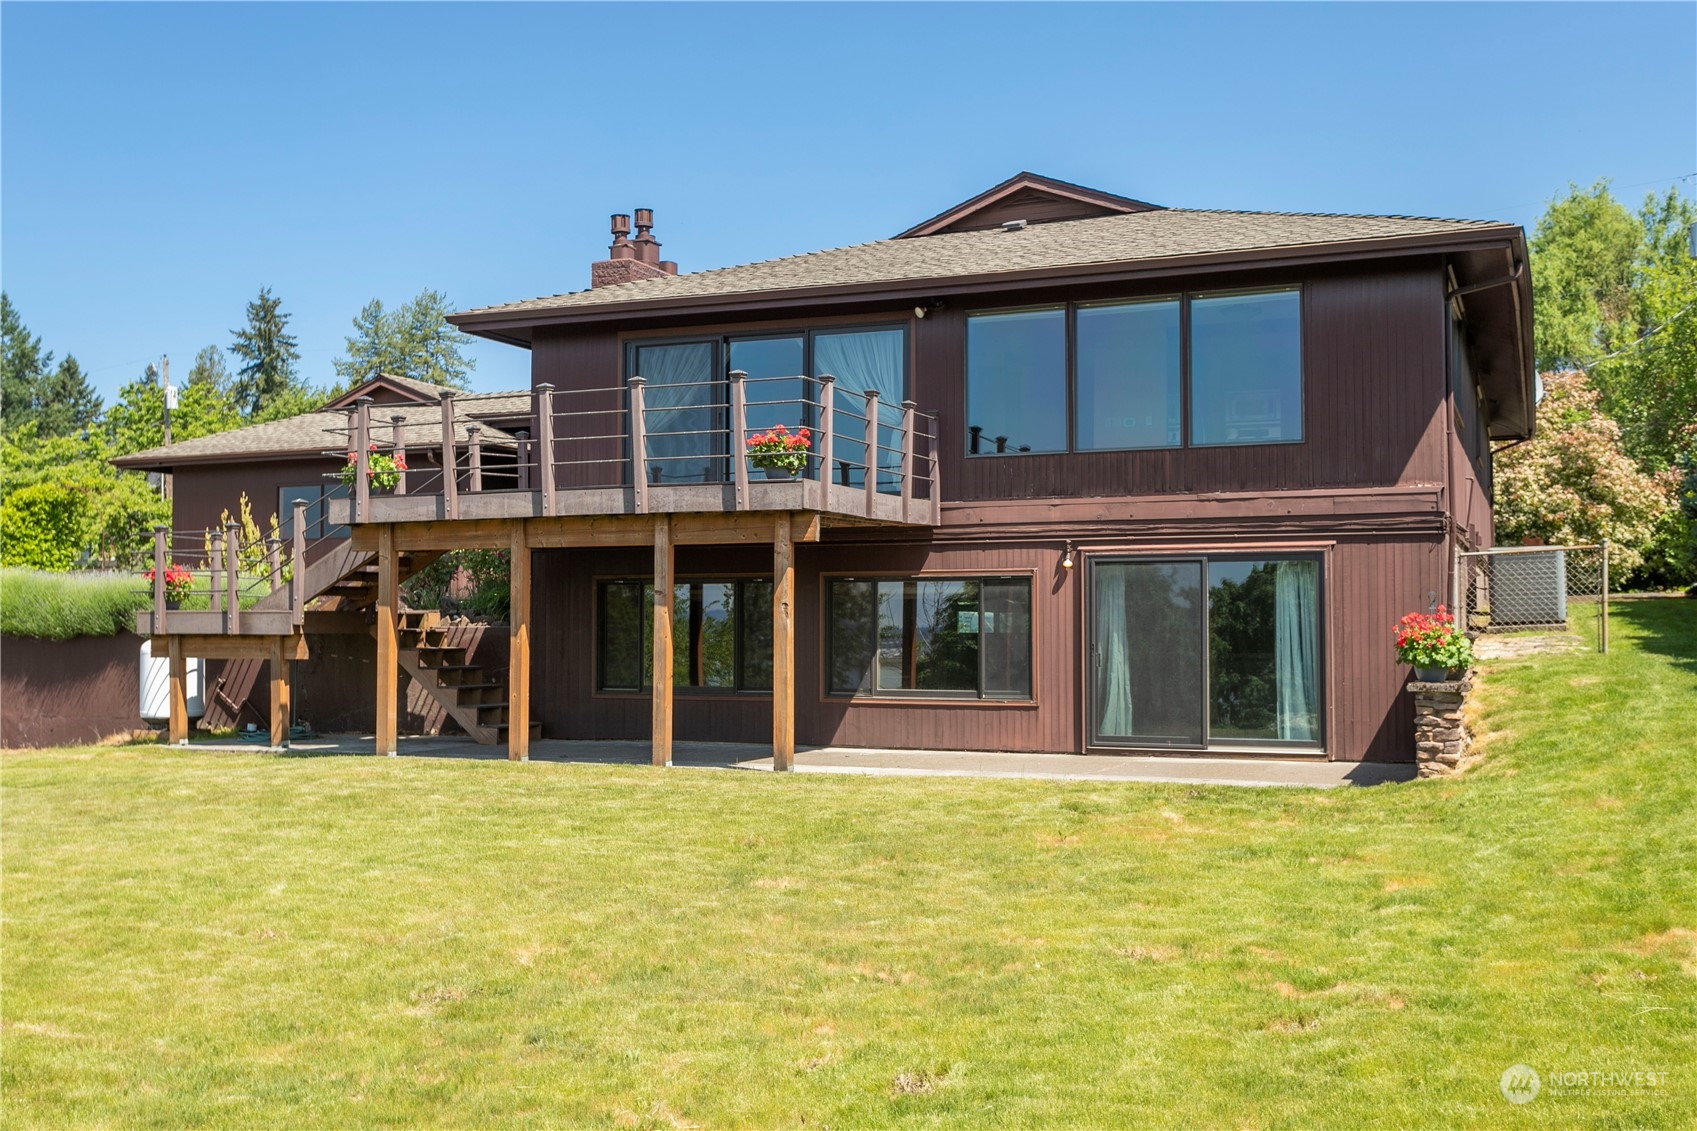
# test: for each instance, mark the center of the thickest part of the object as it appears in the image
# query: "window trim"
(1184, 299)
(919, 696)
(1320, 556)
(598, 643)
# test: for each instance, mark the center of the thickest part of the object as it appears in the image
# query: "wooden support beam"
(663, 579)
(279, 692)
(178, 732)
(518, 657)
(783, 644)
(232, 647)
(752, 528)
(388, 645)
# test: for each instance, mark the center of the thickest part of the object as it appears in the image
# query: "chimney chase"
(631, 259)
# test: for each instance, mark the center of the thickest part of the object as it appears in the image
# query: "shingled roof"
(325, 432)
(1150, 235)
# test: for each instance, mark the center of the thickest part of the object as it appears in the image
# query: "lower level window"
(721, 635)
(1193, 652)
(955, 636)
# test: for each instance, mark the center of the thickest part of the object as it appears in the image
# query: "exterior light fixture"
(1066, 561)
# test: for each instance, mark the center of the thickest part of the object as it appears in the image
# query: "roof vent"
(1013, 225)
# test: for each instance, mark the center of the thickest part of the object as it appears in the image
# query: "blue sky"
(160, 163)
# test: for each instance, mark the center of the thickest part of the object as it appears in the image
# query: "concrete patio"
(1180, 770)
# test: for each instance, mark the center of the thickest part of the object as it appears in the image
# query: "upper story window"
(1124, 369)
(688, 397)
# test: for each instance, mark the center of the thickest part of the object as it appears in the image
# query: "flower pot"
(778, 473)
(173, 603)
(1439, 675)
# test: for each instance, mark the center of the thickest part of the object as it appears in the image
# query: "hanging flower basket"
(781, 450)
(382, 471)
(177, 582)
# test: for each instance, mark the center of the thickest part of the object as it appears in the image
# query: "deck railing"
(865, 456)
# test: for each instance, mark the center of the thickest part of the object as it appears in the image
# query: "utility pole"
(170, 403)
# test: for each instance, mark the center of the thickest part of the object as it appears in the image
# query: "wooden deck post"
(388, 646)
(274, 562)
(279, 692)
(871, 452)
(233, 577)
(662, 729)
(545, 444)
(398, 444)
(518, 654)
(178, 727)
(297, 566)
(161, 562)
(638, 447)
(450, 460)
(214, 573)
(783, 643)
(474, 458)
(739, 437)
(362, 459)
(907, 457)
(936, 481)
(827, 437)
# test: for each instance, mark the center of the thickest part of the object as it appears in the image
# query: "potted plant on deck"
(780, 453)
(382, 471)
(1431, 642)
(177, 582)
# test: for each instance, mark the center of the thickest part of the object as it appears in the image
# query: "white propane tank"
(156, 686)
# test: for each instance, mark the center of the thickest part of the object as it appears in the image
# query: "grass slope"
(202, 938)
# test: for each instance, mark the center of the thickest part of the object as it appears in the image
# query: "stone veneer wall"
(1442, 746)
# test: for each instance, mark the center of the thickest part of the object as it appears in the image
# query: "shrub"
(42, 527)
(59, 606)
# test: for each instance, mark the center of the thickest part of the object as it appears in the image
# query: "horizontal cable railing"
(657, 433)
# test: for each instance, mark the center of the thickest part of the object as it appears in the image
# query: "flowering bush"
(780, 449)
(383, 471)
(177, 581)
(1430, 640)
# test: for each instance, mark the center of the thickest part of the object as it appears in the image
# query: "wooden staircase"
(468, 692)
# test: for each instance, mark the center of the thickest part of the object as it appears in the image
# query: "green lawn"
(195, 937)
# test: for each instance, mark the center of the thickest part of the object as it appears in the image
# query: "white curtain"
(863, 361)
(1296, 650)
(678, 400)
(1113, 669)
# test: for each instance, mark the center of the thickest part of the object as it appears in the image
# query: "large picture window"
(1205, 651)
(1197, 370)
(721, 635)
(967, 637)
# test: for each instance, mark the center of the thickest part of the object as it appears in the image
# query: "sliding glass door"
(1203, 652)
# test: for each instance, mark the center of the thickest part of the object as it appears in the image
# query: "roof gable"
(1030, 197)
(389, 388)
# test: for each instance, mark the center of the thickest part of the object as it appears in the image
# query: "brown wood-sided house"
(1084, 474)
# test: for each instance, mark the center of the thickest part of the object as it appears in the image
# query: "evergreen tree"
(209, 369)
(65, 402)
(23, 366)
(413, 340)
(268, 353)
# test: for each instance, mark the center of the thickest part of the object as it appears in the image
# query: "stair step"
(471, 686)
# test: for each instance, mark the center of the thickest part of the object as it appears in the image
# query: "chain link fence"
(1533, 589)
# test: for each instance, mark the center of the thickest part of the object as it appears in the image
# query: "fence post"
(638, 447)
(297, 571)
(871, 452)
(545, 443)
(1603, 630)
(474, 458)
(160, 564)
(398, 424)
(907, 457)
(827, 437)
(739, 436)
(450, 460)
(214, 573)
(362, 459)
(233, 575)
